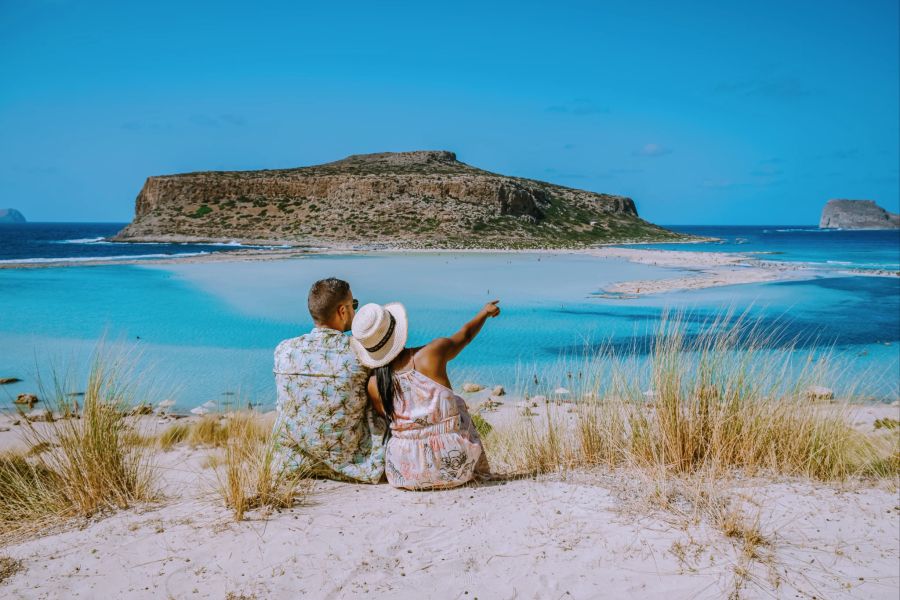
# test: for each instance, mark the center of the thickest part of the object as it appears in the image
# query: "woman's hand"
(491, 309)
(447, 348)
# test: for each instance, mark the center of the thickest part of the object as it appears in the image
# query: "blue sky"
(703, 112)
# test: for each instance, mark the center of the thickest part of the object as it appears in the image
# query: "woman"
(433, 442)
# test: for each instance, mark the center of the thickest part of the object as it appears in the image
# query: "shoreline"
(271, 249)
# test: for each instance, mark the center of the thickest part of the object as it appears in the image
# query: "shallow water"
(830, 249)
(204, 330)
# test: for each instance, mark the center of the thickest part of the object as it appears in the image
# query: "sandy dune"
(583, 535)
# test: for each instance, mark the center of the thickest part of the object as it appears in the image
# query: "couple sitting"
(356, 408)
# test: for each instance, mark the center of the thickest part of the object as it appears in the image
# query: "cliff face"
(11, 215)
(857, 214)
(405, 199)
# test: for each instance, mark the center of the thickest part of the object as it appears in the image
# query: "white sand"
(587, 535)
(707, 269)
(522, 539)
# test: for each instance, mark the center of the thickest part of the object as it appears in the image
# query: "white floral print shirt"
(325, 423)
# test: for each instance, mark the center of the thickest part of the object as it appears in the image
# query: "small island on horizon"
(857, 214)
(11, 215)
(411, 200)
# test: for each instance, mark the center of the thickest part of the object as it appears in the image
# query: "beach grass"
(173, 435)
(212, 430)
(208, 431)
(90, 459)
(31, 493)
(250, 476)
(718, 400)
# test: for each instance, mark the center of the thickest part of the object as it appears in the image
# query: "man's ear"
(342, 311)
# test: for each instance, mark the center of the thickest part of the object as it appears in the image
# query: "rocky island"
(857, 214)
(11, 215)
(423, 199)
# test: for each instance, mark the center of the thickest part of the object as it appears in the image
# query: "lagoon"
(202, 331)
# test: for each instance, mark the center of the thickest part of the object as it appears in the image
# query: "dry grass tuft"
(31, 492)
(137, 438)
(78, 466)
(216, 430)
(173, 435)
(532, 447)
(9, 567)
(212, 430)
(208, 431)
(250, 476)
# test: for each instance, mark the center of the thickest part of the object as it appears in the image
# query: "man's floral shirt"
(325, 424)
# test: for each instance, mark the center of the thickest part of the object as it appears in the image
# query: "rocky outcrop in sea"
(11, 215)
(857, 214)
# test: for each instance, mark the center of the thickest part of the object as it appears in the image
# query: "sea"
(201, 331)
(37, 243)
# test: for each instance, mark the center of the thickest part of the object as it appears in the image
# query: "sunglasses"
(355, 304)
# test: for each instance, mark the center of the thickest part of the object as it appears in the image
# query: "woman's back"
(434, 442)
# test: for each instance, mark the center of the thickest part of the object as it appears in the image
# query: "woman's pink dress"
(433, 442)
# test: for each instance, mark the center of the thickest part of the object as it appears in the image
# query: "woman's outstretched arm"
(451, 346)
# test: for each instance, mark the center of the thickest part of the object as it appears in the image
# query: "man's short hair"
(325, 296)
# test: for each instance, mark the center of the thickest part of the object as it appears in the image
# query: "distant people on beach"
(362, 407)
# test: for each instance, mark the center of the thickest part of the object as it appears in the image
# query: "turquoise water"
(829, 249)
(206, 331)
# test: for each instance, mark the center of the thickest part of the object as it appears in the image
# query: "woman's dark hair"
(387, 383)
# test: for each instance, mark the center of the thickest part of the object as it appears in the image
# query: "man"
(325, 425)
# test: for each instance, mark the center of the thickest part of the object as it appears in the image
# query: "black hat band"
(387, 336)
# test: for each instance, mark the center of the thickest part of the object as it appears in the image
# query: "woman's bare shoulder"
(436, 346)
(431, 358)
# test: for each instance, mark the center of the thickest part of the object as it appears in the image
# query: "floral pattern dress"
(433, 441)
(325, 424)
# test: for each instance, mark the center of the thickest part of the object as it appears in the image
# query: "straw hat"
(379, 333)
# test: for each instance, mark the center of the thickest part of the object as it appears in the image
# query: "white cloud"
(653, 150)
